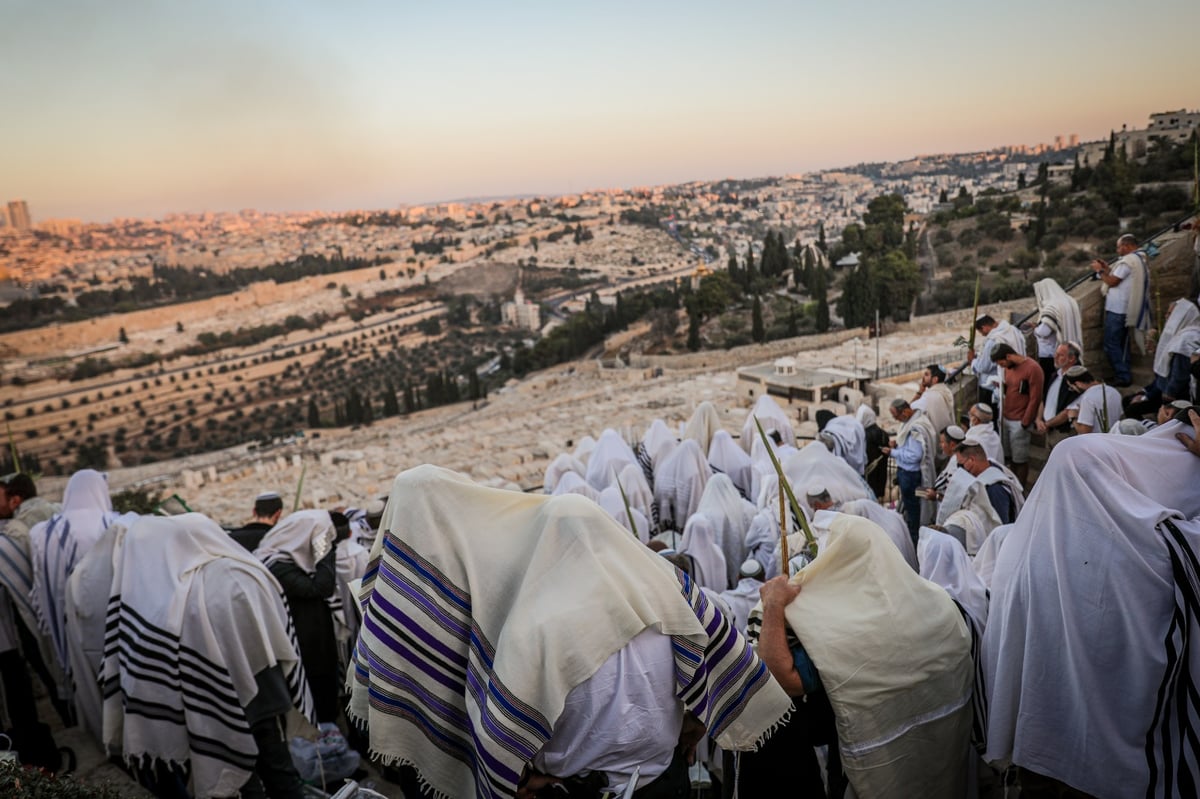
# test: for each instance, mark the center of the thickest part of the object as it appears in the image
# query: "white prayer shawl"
(816, 465)
(56, 545)
(558, 467)
(1058, 310)
(989, 439)
(612, 454)
(919, 425)
(772, 418)
(658, 441)
(865, 416)
(944, 562)
(894, 654)
(583, 450)
(614, 506)
(850, 441)
(703, 424)
(86, 601)
(637, 490)
(16, 566)
(938, 404)
(762, 541)
(741, 599)
(889, 521)
(1093, 608)
(1138, 315)
(496, 581)
(731, 516)
(192, 618)
(572, 483)
(954, 492)
(1183, 316)
(351, 564)
(679, 484)
(977, 502)
(303, 537)
(726, 457)
(708, 562)
(989, 553)
(760, 462)
(1005, 333)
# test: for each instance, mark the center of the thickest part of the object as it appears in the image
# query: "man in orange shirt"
(1023, 380)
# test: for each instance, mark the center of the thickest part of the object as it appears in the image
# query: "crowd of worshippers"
(657, 618)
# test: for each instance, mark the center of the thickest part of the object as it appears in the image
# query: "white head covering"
(817, 465)
(612, 454)
(945, 562)
(572, 483)
(705, 421)
(59, 543)
(637, 490)
(989, 552)
(610, 500)
(850, 438)
(725, 456)
(583, 450)
(558, 467)
(708, 562)
(730, 516)
(1184, 316)
(1058, 310)
(772, 418)
(679, 484)
(865, 416)
(890, 521)
(658, 441)
(303, 537)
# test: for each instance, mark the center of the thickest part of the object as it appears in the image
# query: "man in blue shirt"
(913, 449)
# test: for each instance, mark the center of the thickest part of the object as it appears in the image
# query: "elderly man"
(980, 418)
(1126, 304)
(1022, 392)
(1098, 408)
(1053, 419)
(913, 451)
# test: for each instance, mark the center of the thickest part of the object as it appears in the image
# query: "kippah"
(983, 410)
(1076, 371)
(751, 568)
(817, 490)
(266, 495)
(955, 433)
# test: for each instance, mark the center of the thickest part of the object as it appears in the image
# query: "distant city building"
(1173, 126)
(520, 313)
(18, 215)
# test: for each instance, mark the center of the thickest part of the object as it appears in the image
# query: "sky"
(138, 108)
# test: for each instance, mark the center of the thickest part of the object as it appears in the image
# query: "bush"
(31, 783)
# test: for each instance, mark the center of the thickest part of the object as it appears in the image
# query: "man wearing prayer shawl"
(935, 398)
(57, 544)
(497, 627)
(300, 553)
(1058, 322)
(703, 424)
(1127, 311)
(986, 371)
(773, 420)
(1180, 337)
(846, 438)
(913, 451)
(199, 664)
(726, 457)
(876, 440)
(1092, 647)
(679, 484)
(891, 651)
(980, 416)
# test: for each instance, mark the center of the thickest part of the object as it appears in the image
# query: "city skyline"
(142, 110)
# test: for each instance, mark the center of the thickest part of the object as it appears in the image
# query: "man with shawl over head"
(199, 665)
(58, 544)
(1058, 322)
(1092, 646)
(300, 552)
(890, 650)
(876, 440)
(514, 639)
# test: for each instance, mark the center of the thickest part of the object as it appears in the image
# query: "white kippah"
(266, 495)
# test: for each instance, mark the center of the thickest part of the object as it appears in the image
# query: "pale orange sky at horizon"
(143, 110)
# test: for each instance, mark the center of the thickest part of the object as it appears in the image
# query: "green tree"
(314, 413)
(693, 334)
(898, 281)
(121, 337)
(391, 405)
(758, 331)
(857, 304)
(1020, 181)
(821, 237)
(821, 292)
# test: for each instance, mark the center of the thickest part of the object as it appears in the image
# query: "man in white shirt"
(1098, 407)
(1053, 421)
(1125, 305)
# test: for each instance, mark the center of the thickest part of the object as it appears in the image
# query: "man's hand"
(777, 593)
(1099, 265)
(1040, 426)
(931, 494)
(529, 789)
(690, 735)
(1191, 443)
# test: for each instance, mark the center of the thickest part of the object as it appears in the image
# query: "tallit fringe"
(360, 722)
(767, 733)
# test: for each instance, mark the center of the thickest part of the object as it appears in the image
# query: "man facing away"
(1098, 407)
(268, 507)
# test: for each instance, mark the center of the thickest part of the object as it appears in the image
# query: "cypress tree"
(693, 336)
(314, 413)
(758, 331)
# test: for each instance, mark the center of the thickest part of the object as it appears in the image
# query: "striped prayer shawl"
(16, 576)
(1173, 741)
(191, 619)
(979, 693)
(463, 677)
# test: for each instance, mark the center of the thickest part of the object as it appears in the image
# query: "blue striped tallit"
(483, 608)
